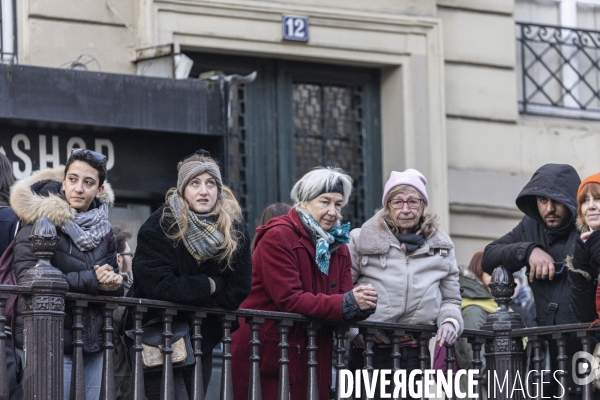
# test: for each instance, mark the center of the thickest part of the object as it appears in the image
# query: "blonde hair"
(226, 208)
(427, 222)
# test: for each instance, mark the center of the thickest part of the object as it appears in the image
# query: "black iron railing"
(559, 70)
(45, 298)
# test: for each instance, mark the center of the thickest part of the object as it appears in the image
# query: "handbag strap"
(553, 305)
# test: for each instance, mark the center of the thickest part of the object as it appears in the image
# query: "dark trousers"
(382, 359)
(182, 380)
(13, 367)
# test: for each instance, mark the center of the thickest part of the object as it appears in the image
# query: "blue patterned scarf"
(339, 233)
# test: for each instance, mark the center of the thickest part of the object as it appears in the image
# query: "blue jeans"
(92, 372)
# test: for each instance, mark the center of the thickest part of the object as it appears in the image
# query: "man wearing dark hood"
(546, 235)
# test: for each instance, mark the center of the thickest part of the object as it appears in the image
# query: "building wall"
(54, 33)
(448, 81)
(492, 149)
(403, 38)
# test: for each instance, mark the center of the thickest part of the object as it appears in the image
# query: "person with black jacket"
(585, 264)
(8, 227)
(75, 199)
(195, 249)
(8, 218)
(541, 242)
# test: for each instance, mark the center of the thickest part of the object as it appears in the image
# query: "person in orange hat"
(585, 264)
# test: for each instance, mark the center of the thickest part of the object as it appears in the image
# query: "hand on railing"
(365, 296)
(447, 334)
(108, 280)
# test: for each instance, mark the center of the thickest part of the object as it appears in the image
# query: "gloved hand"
(581, 259)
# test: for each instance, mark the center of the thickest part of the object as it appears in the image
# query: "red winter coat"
(286, 278)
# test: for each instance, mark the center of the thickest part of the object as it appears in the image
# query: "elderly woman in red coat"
(301, 264)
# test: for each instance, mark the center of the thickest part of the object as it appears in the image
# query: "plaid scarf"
(202, 238)
(339, 233)
(88, 228)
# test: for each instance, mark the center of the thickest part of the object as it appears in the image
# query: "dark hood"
(558, 182)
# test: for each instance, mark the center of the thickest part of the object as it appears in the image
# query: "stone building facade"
(425, 84)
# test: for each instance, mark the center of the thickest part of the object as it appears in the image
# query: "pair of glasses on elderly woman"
(412, 203)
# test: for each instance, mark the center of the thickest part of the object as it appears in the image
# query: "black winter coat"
(583, 276)
(76, 265)
(164, 272)
(558, 182)
(8, 225)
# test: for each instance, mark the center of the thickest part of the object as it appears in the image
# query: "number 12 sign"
(295, 28)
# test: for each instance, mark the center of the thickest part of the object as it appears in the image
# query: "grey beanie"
(192, 168)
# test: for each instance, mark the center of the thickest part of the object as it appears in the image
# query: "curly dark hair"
(92, 158)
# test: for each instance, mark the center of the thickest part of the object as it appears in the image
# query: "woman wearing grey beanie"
(195, 250)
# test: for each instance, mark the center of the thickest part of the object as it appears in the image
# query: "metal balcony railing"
(558, 71)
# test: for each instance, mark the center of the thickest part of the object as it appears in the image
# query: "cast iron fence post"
(44, 315)
(504, 354)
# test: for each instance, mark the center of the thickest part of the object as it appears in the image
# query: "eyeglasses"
(131, 254)
(95, 154)
(398, 204)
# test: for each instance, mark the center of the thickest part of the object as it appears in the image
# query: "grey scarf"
(202, 238)
(88, 228)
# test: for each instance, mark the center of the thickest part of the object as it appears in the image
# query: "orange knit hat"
(590, 179)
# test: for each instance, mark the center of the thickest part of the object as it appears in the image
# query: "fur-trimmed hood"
(581, 225)
(374, 240)
(30, 206)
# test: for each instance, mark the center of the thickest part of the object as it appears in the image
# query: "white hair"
(318, 181)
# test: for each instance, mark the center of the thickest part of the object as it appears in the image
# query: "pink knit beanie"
(410, 177)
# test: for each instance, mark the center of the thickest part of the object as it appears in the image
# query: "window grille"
(236, 149)
(328, 131)
(559, 70)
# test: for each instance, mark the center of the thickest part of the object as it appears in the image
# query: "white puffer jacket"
(418, 288)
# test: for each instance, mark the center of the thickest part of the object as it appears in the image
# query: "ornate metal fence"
(45, 297)
(559, 70)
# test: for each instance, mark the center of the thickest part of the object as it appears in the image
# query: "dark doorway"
(296, 116)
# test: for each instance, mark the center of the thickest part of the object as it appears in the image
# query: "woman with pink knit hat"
(584, 266)
(410, 262)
